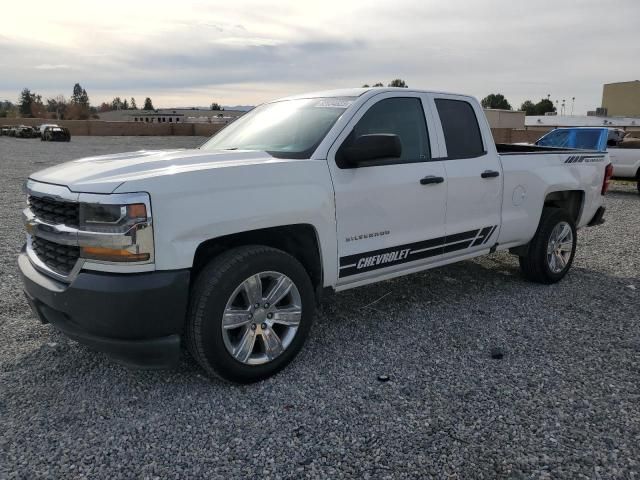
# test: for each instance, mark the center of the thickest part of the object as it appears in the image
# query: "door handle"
(489, 174)
(430, 179)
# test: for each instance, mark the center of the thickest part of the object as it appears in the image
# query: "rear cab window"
(461, 129)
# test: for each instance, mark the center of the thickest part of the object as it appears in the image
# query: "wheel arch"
(298, 240)
(570, 200)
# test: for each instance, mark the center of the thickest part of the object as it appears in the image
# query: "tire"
(218, 289)
(538, 265)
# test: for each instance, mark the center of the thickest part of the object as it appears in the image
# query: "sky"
(188, 52)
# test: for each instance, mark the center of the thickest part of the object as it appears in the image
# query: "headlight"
(96, 217)
(116, 228)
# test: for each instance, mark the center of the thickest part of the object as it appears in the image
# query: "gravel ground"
(563, 402)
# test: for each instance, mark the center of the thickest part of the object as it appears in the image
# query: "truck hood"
(105, 173)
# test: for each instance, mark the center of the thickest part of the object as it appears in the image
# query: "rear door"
(474, 175)
(390, 215)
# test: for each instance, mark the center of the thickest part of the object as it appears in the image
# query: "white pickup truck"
(227, 247)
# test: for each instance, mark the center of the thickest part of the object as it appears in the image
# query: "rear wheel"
(551, 251)
(250, 312)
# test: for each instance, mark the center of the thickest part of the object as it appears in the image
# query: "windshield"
(285, 129)
(580, 138)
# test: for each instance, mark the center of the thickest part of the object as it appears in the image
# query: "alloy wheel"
(560, 247)
(261, 318)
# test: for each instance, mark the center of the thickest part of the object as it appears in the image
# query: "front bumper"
(137, 319)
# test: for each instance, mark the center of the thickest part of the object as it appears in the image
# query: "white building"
(545, 122)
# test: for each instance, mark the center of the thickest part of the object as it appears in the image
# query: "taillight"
(608, 173)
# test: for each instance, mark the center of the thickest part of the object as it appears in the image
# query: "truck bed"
(519, 148)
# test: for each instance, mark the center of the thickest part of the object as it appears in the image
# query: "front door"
(390, 214)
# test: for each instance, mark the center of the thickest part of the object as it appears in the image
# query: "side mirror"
(366, 149)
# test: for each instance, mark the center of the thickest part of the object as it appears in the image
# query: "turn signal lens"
(112, 255)
(137, 210)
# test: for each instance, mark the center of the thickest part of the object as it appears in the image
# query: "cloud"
(48, 66)
(249, 53)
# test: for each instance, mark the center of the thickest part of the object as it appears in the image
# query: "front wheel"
(551, 251)
(250, 312)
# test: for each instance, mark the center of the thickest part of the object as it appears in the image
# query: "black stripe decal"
(387, 257)
(493, 229)
(482, 236)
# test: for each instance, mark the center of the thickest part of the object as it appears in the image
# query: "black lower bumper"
(598, 218)
(135, 318)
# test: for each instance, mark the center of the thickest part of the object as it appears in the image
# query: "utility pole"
(573, 100)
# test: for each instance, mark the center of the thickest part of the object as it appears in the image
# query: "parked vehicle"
(226, 248)
(55, 134)
(42, 127)
(25, 131)
(4, 130)
(624, 151)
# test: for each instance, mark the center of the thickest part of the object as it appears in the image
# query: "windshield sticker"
(333, 103)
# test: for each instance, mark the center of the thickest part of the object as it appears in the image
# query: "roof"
(623, 83)
(357, 92)
(579, 121)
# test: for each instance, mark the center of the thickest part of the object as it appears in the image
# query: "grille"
(60, 258)
(55, 211)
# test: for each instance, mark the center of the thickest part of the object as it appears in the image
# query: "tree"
(495, 100)
(379, 84)
(38, 110)
(132, 104)
(26, 98)
(398, 82)
(116, 104)
(104, 107)
(528, 107)
(78, 108)
(148, 104)
(80, 96)
(216, 106)
(57, 106)
(125, 105)
(365, 85)
(7, 108)
(541, 108)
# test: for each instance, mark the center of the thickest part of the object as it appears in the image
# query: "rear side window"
(461, 129)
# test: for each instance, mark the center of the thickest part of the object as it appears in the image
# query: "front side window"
(403, 117)
(461, 130)
(284, 129)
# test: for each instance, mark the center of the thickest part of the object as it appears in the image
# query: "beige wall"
(511, 135)
(622, 99)
(505, 118)
(101, 128)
